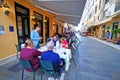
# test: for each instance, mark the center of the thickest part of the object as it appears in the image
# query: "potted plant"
(116, 31)
(107, 27)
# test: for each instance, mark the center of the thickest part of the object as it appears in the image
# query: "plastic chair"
(18, 50)
(26, 65)
(49, 39)
(47, 67)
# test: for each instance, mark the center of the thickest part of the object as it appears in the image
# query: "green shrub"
(116, 31)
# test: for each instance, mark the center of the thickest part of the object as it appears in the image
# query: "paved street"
(92, 60)
(95, 61)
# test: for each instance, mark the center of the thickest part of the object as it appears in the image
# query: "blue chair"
(47, 67)
(26, 64)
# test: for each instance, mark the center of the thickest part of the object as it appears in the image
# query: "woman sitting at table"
(64, 43)
(56, 41)
(31, 54)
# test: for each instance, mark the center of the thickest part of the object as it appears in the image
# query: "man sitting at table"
(53, 57)
(31, 54)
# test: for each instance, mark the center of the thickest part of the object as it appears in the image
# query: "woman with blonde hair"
(31, 54)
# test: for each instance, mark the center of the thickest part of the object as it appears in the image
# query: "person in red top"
(64, 43)
(31, 54)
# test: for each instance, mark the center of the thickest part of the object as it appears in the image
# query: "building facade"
(99, 16)
(17, 19)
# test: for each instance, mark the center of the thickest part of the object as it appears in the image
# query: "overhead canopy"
(69, 11)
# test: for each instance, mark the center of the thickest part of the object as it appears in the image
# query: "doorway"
(103, 31)
(22, 23)
(56, 28)
(115, 26)
(47, 28)
(38, 21)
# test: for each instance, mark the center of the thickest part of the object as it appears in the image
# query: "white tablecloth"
(63, 53)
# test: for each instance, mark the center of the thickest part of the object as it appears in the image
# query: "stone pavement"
(92, 60)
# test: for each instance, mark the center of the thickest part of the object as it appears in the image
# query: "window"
(90, 16)
(117, 6)
(99, 4)
(104, 13)
(98, 17)
(106, 1)
(38, 16)
(95, 9)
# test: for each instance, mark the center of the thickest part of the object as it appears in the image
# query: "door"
(57, 28)
(103, 31)
(22, 28)
(22, 23)
(47, 28)
(115, 26)
(38, 21)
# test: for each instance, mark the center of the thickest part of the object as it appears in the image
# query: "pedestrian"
(35, 37)
(107, 35)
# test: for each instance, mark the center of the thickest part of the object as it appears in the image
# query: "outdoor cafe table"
(63, 53)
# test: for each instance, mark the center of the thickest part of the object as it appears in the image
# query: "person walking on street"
(107, 35)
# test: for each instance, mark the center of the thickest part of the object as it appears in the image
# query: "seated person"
(64, 43)
(116, 41)
(31, 54)
(53, 57)
(56, 41)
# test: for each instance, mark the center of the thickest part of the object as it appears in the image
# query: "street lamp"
(6, 8)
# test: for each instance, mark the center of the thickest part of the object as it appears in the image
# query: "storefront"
(17, 24)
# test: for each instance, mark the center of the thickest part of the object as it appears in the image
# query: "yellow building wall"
(116, 19)
(60, 30)
(110, 23)
(53, 27)
(9, 39)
